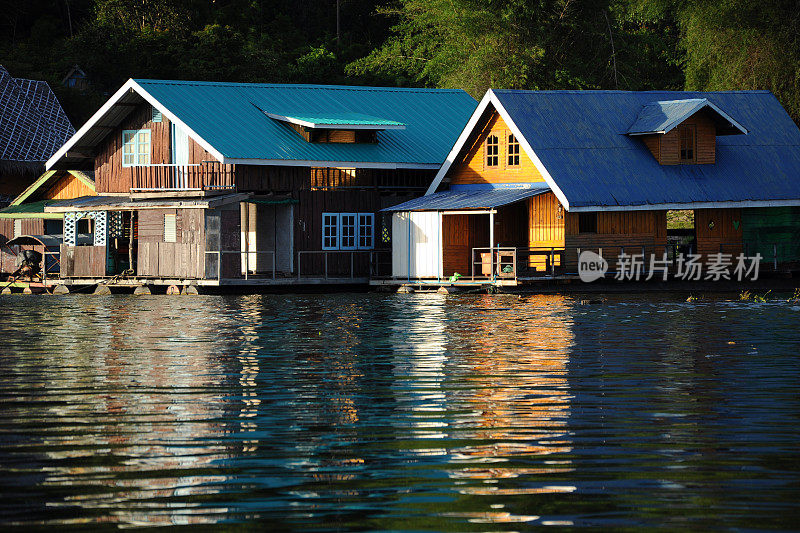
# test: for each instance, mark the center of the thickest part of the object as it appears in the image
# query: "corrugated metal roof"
(581, 139)
(121, 203)
(24, 209)
(32, 123)
(661, 117)
(334, 119)
(231, 117)
(469, 199)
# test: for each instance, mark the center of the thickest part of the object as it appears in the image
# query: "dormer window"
(337, 127)
(513, 151)
(688, 135)
(492, 151)
(683, 132)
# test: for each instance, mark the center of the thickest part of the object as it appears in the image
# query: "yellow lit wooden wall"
(470, 168)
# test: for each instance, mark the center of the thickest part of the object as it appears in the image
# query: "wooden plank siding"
(29, 226)
(184, 258)
(67, 188)
(460, 234)
(111, 176)
(666, 148)
(545, 222)
(469, 167)
(725, 235)
(616, 230)
(82, 261)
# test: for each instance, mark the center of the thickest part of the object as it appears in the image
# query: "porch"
(208, 176)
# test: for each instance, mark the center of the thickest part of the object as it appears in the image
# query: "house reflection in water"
(153, 419)
(491, 387)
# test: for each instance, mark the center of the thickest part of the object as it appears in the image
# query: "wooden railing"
(207, 175)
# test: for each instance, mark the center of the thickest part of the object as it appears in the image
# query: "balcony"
(201, 177)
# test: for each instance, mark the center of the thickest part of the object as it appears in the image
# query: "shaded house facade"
(538, 176)
(25, 217)
(233, 183)
(32, 127)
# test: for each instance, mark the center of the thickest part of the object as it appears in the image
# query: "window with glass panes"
(513, 151)
(348, 231)
(135, 148)
(492, 151)
(688, 136)
(330, 231)
(366, 225)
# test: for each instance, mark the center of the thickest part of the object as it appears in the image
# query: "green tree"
(736, 44)
(533, 44)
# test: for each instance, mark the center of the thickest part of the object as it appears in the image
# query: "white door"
(180, 155)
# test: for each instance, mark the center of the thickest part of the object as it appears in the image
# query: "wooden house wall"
(632, 231)
(82, 261)
(269, 178)
(111, 176)
(470, 168)
(666, 148)
(460, 234)
(184, 258)
(68, 187)
(30, 226)
(545, 222)
(725, 235)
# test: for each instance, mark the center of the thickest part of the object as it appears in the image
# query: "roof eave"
(689, 205)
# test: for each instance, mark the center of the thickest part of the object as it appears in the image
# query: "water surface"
(399, 412)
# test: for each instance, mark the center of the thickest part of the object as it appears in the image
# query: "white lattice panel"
(70, 222)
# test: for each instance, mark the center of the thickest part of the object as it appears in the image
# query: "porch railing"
(204, 176)
(342, 264)
(247, 259)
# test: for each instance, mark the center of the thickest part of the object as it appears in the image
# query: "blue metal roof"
(581, 139)
(231, 118)
(469, 199)
(661, 117)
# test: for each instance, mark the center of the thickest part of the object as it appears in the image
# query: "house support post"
(491, 242)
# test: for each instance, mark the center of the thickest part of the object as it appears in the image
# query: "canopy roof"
(124, 203)
(29, 210)
(469, 198)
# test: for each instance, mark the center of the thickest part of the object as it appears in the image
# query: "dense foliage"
(469, 44)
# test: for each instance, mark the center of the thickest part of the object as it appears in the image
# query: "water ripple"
(405, 412)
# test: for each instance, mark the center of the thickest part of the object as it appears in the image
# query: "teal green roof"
(231, 118)
(334, 119)
(32, 208)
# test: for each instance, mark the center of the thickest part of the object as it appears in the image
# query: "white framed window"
(135, 148)
(17, 227)
(170, 228)
(330, 231)
(348, 231)
(513, 151)
(492, 151)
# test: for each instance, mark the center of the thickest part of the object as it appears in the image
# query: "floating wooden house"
(538, 176)
(229, 183)
(32, 127)
(25, 225)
